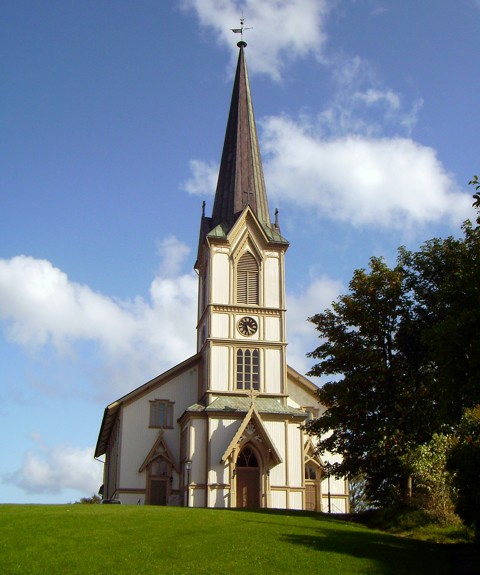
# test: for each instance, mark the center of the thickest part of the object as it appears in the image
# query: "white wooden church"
(224, 428)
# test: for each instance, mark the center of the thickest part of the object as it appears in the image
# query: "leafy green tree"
(442, 284)
(464, 461)
(378, 405)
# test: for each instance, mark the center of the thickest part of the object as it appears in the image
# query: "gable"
(260, 235)
(252, 427)
(160, 450)
(311, 454)
(113, 411)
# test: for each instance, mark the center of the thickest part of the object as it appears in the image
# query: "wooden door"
(248, 487)
(311, 496)
(158, 492)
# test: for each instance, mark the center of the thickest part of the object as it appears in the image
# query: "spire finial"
(240, 31)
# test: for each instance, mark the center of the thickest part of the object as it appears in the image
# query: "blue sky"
(112, 122)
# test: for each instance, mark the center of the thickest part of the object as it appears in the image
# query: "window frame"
(247, 369)
(157, 420)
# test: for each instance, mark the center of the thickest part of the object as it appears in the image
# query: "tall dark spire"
(240, 179)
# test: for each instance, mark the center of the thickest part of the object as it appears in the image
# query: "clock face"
(247, 326)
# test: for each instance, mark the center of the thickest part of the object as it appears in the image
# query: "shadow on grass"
(392, 555)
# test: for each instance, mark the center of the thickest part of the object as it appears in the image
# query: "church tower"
(241, 306)
(241, 328)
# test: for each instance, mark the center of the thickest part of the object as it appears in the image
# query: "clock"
(247, 326)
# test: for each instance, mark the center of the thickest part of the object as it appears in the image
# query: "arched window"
(247, 280)
(247, 458)
(248, 369)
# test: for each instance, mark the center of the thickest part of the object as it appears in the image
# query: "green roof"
(241, 404)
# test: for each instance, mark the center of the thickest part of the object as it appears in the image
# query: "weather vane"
(241, 29)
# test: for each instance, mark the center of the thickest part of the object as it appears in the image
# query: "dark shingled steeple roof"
(240, 179)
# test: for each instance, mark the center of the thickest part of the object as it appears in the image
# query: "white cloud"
(350, 74)
(386, 182)
(173, 253)
(204, 178)
(56, 469)
(41, 306)
(362, 105)
(371, 97)
(281, 29)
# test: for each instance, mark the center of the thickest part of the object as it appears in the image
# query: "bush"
(434, 491)
(93, 500)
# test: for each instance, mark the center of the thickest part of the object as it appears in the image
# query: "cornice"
(229, 308)
(247, 342)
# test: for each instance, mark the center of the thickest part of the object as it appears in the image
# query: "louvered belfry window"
(247, 280)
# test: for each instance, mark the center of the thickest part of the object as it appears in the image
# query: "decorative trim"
(252, 417)
(244, 342)
(243, 309)
(156, 453)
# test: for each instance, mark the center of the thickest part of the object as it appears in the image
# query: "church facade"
(224, 428)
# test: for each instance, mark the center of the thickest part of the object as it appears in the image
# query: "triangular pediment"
(311, 454)
(160, 450)
(262, 234)
(267, 235)
(253, 429)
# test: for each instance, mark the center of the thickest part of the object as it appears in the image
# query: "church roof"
(240, 179)
(241, 404)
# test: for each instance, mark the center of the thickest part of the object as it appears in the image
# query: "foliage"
(378, 405)
(93, 500)
(464, 460)
(433, 481)
(442, 286)
(476, 204)
(124, 539)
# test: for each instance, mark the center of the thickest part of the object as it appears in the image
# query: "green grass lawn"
(120, 539)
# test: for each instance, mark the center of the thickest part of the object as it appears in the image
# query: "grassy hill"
(106, 539)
